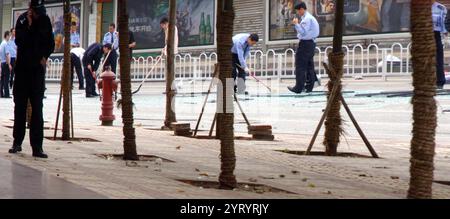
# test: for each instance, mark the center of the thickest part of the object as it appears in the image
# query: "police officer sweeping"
(307, 32)
(35, 43)
(240, 51)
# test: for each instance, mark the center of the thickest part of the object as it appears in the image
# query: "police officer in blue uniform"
(35, 43)
(240, 51)
(307, 32)
(439, 13)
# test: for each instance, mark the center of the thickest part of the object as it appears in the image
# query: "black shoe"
(81, 88)
(15, 149)
(90, 96)
(294, 90)
(40, 154)
(95, 95)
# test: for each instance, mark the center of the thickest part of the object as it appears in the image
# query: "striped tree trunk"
(65, 83)
(225, 120)
(129, 141)
(423, 53)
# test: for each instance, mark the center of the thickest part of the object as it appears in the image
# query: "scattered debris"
(69, 142)
(304, 179)
(178, 148)
(282, 176)
(203, 174)
(311, 185)
(197, 170)
(295, 172)
(395, 177)
(328, 193)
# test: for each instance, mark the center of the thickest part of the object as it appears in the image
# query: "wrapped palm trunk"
(423, 51)
(333, 123)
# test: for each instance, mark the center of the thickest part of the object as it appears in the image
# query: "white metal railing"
(359, 61)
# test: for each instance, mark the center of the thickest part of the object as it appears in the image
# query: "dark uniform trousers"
(90, 80)
(113, 62)
(29, 85)
(4, 86)
(440, 80)
(304, 65)
(11, 79)
(76, 64)
(237, 72)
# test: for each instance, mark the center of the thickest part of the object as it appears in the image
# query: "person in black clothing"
(35, 43)
(91, 63)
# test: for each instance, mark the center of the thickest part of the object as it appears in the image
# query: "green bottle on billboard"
(208, 31)
(202, 29)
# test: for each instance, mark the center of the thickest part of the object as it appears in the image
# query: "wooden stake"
(216, 73)
(361, 133)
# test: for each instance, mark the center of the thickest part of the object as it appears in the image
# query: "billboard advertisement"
(361, 17)
(56, 14)
(195, 22)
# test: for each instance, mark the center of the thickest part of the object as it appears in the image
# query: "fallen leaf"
(295, 172)
(329, 192)
(197, 170)
(266, 177)
(252, 180)
(203, 174)
(282, 176)
(178, 148)
(311, 185)
(395, 177)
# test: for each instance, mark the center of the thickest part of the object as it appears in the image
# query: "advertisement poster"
(56, 14)
(361, 17)
(195, 22)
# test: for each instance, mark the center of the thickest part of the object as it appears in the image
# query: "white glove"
(247, 70)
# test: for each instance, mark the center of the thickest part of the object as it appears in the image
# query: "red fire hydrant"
(108, 85)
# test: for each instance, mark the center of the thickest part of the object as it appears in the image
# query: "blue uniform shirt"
(74, 38)
(439, 13)
(113, 39)
(12, 47)
(4, 51)
(241, 48)
(308, 28)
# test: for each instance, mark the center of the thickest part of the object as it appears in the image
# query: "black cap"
(38, 6)
(108, 45)
(300, 5)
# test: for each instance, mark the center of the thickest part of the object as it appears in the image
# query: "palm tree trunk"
(66, 73)
(225, 120)
(423, 53)
(333, 123)
(170, 67)
(129, 142)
